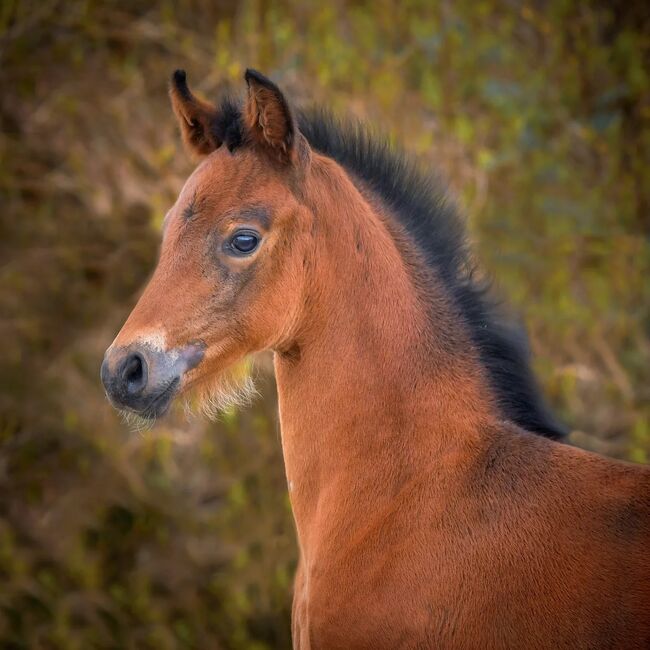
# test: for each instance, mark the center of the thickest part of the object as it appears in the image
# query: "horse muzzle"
(143, 379)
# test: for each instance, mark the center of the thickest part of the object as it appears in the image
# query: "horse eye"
(244, 242)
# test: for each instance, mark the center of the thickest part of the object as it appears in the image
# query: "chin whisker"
(236, 389)
(137, 423)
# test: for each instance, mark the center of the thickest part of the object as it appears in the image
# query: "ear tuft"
(254, 76)
(269, 120)
(179, 81)
(196, 117)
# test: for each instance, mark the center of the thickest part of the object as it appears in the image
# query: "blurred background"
(537, 113)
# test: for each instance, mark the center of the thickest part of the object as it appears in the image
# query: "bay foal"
(433, 508)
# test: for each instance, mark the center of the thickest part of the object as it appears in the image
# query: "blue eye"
(244, 242)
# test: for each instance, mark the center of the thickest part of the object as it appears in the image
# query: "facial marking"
(156, 340)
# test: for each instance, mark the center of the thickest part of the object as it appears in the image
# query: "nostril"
(134, 373)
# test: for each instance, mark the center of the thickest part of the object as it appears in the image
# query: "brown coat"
(426, 516)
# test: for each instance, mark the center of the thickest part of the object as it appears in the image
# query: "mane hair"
(419, 203)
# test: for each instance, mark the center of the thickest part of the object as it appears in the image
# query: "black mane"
(420, 205)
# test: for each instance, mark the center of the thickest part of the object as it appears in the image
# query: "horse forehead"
(223, 182)
(219, 169)
(203, 177)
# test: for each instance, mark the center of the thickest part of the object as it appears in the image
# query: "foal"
(433, 508)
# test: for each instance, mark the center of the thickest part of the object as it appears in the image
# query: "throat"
(356, 403)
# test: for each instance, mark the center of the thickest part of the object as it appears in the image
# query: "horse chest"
(344, 607)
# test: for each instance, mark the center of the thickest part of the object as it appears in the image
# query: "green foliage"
(537, 113)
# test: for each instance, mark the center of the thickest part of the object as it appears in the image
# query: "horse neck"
(372, 392)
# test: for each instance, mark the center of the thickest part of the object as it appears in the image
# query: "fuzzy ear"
(268, 118)
(198, 119)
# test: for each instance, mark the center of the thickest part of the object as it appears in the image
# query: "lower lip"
(159, 405)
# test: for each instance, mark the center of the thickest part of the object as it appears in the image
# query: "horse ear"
(197, 118)
(268, 118)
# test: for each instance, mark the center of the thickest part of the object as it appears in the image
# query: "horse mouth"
(159, 404)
